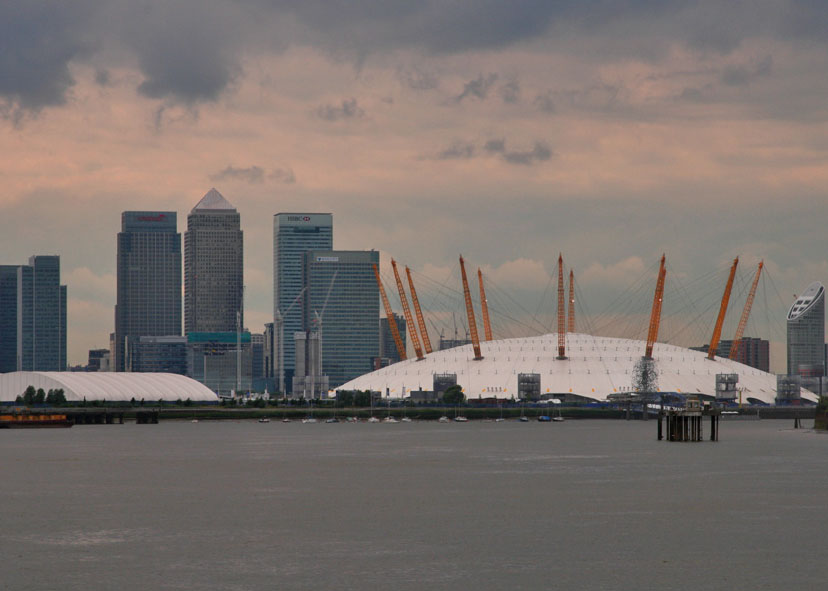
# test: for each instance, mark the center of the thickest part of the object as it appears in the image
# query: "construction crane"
(280, 331)
(561, 311)
(571, 324)
(409, 321)
(420, 320)
(655, 314)
(392, 323)
(484, 304)
(470, 312)
(740, 330)
(717, 330)
(315, 361)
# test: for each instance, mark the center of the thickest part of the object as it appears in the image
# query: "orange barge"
(34, 420)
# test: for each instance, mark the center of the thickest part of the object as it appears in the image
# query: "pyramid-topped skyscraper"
(213, 267)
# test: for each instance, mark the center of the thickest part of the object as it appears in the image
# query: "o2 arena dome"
(110, 386)
(595, 368)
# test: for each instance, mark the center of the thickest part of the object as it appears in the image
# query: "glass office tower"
(32, 316)
(806, 330)
(149, 279)
(213, 267)
(342, 303)
(293, 235)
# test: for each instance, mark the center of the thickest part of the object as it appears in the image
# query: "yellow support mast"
(571, 324)
(655, 314)
(392, 322)
(717, 330)
(484, 305)
(740, 330)
(409, 321)
(470, 312)
(561, 311)
(418, 311)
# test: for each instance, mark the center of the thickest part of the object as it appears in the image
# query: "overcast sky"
(508, 131)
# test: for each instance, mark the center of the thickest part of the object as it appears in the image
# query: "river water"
(576, 505)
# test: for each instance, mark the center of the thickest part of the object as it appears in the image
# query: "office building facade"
(158, 354)
(388, 348)
(33, 314)
(149, 279)
(806, 330)
(222, 361)
(293, 235)
(753, 352)
(341, 303)
(213, 267)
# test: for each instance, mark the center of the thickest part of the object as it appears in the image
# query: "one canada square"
(213, 267)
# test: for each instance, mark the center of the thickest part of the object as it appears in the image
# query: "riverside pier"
(686, 424)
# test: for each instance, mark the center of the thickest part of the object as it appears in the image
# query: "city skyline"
(508, 133)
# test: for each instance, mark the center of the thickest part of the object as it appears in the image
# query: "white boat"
(373, 420)
(194, 421)
(332, 420)
(557, 418)
(390, 420)
(405, 420)
(264, 420)
(461, 419)
(309, 420)
(443, 419)
(286, 420)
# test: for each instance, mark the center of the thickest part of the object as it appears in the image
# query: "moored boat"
(28, 420)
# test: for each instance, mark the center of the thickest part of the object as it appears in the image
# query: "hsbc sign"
(298, 218)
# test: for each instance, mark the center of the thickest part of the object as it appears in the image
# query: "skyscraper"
(293, 235)
(213, 267)
(342, 303)
(149, 279)
(32, 316)
(806, 330)
(9, 310)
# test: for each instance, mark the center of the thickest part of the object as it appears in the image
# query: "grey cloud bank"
(192, 51)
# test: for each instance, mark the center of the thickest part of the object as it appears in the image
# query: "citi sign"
(152, 218)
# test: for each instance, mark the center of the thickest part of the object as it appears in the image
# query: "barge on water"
(29, 420)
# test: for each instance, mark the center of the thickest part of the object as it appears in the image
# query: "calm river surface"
(576, 505)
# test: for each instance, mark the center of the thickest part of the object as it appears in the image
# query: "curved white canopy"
(116, 387)
(596, 367)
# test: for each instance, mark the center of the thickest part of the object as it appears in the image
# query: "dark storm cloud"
(252, 174)
(186, 53)
(191, 51)
(477, 88)
(539, 153)
(348, 109)
(38, 40)
(457, 150)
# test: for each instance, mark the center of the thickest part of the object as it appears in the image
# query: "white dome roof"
(596, 367)
(115, 387)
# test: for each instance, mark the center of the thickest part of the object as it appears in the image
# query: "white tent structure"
(595, 368)
(109, 386)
